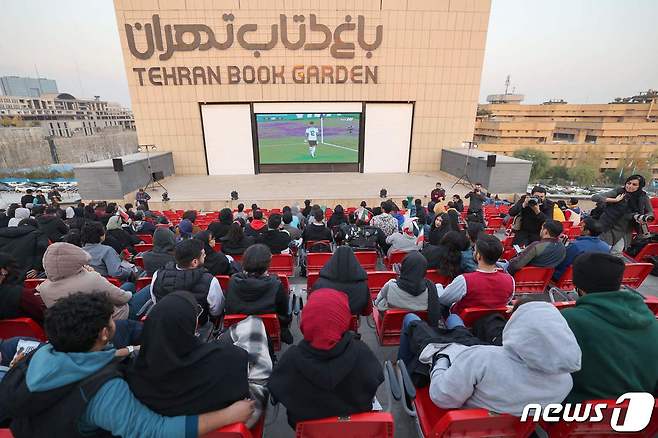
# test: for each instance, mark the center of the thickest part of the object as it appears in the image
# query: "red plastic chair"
(471, 314)
(142, 282)
(377, 280)
(139, 261)
(396, 257)
(388, 324)
(218, 246)
(366, 425)
(367, 259)
(435, 277)
(311, 278)
(282, 264)
(143, 247)
(652, 304)
(32, 283)
(564, 304)
(490, 231)
(495, 223)
(146, 238)
(572, 233)
(115, 281)
(567, 225)
(601, 429)
(270, 320)
(239, 430)
(651, 249)
(508, 241)
(508, 254)
(565, 282)
(532, 280)
(316, 260)
(21, 327)
(436, 422)
(635, 274)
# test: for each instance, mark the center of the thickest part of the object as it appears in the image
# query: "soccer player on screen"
(312, 138)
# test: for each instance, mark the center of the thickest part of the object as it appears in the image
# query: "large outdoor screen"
(308, 138)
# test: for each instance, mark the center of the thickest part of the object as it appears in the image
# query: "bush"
(540, 161)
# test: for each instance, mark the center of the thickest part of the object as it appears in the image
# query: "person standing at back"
(476, 200)
(438, 193)
(142, 199)
(27, 198)
(534, 210)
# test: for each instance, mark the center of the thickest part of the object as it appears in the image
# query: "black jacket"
(219, 229)
(530, 222)
(156, 260)
(344, 273)
(10, 297)
(26, 199)
(276, 240)
(121, 239)
(257, 295)
(52, 226)
(196, 281)
(216, 263)
(316, 232)
(26, 243)
(238, 248)
(313, 383)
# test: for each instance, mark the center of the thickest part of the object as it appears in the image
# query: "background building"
(607, 136)
(62, 115)
(29, 87)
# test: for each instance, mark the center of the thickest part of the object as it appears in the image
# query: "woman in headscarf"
(118, 238)
(236, 242)
(343, 272)
(75, 218)
(618, 208)
(178, 374)
(439, 228)
(164, 243)
(407, 239)
(220, 228)
(337, 217)
(15, 300)
(216, 262)
(329, 373)
(411, 290)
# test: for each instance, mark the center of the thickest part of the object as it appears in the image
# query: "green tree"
(584, 174)
(557, 173)
(540, 161)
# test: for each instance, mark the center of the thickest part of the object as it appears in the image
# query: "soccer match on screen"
(308, 138)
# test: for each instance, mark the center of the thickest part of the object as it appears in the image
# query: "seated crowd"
(160, 355)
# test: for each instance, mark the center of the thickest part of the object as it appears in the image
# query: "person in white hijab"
(19, 215)
(70, 213)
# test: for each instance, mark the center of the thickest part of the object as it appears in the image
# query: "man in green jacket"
(616, 332)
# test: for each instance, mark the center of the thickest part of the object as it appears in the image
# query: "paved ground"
(404, 425)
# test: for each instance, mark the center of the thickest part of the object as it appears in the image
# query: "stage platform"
(275, 190)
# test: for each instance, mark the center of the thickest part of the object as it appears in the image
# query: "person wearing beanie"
(330, 372)
(616, 331)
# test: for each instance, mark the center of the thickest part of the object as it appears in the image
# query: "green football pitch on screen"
(303, 138)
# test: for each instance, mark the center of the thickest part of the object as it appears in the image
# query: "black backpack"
(52, 413)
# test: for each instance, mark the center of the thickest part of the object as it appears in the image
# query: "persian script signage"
(168, 39)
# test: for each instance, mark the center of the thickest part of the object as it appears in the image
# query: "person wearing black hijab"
(178, 374)
(440, 226)
(337, 217)
(216, 262)
(343, 272)
(221, 227)
(618, 208)
(411, 290)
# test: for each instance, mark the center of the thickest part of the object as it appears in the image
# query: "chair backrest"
(603, 428)
(396, 257)
(365, 425)
(565, 282)
(270, 320)
(238, 430)
(572, 233)
(471, 314)
(282, 264)
(312, 243)
(495, 222)
(142, 282)
(508, 241)
(377, 280)
(218, 246)
(635, 273)
(316, 260)
(652, 304)
(311, 278)
(32, 283)
(367, 259)
(490, 231)
(223, 282)
(388, 324)
(532, 279)
(435, 277)
(114, 281)
(139, 261)
(650, 249)
(21, 327)
(560, 305)
(143, 247)
(146, 238)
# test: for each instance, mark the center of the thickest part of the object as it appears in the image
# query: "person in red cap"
(330, 372)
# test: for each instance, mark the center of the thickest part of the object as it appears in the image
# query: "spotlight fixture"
(234, 196)
(383, 193)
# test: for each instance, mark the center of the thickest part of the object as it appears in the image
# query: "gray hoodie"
(534, 365)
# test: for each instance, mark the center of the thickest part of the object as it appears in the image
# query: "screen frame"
(308, 167)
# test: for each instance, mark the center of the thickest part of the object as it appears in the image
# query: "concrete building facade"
(610, 136)
(62, 115)
(184, 56)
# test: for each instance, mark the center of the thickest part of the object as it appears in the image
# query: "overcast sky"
(584, 51)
